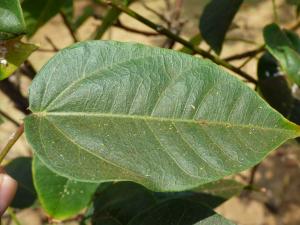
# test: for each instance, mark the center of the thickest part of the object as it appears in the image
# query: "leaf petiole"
(11, 141)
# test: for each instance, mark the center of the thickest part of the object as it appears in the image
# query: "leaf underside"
(110, 111)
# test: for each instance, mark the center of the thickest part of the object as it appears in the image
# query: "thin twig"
(275, 11)
(11, 141)
(250, 53)
(119, 24)
(162, 30)
(9, 118)
(69, 27)
(51, 43)
(161, 16)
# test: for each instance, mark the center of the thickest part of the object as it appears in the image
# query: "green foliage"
(284, 50)
(179, 211)
(20, 170)
(127, 203)
(15, 53)
(109, 19)
(216, 20)
(156, 117)
(37, 13)
(60, 197)
(11, 19)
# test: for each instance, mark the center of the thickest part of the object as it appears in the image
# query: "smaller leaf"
(216, 20)
(196, 40)
(20, 170)
(59, 196)
(11, 19)
(87, 12)
(273, 85)
(109, 19)
(37, 13)
(281, 47)
(222, 188)
(181, 212)
(14, 53)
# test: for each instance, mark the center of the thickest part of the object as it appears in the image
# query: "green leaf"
(294, 2)
(163, 119)
(86, 13)
(222, 188)
(273, 85)
(15, 53)
(109, 19)
(37, 13)
(20, 170)
(59, 196)
(281, 47)
(121, 202)
(216, 20)
(181, 212)
(11, 19)
(196, 40)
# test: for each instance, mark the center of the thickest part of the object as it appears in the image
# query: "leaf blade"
(154, 106)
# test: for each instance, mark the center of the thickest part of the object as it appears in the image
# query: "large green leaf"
(11, 19)
(59, 196)
(104, 111)
(282, 48)
(181, 212)
(15, 53)
(216, 20)
(37, 12)
(20, 170)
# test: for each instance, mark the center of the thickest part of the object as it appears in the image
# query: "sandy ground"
(278, 175)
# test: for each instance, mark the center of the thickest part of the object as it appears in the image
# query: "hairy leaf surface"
(110, 111)
(59, 196)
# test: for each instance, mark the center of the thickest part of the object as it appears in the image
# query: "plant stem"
(11, 141)
(246, 54)
(275, 11)
(13, 216)
(162, 30)
(8, 117)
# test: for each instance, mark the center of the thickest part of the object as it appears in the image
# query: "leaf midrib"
(164, 119)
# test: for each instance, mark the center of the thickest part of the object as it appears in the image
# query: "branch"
(171, 35)
(250, 53)
(11, 141)
(8, 117)
(68, 26)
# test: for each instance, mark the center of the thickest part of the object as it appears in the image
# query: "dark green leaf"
(216, 20)
(281, 47)
(273, 85)
(86, 13)
(181, 212)
(121, 202)
(164, 119)
(59, 196)
(37, 12)
(20, 170)
(11, 19)
(15, 53)
(294, 2)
